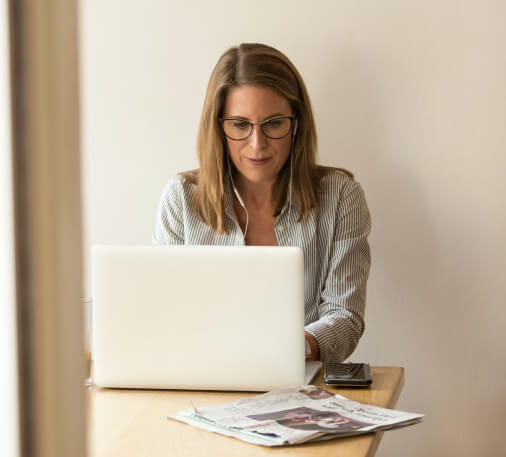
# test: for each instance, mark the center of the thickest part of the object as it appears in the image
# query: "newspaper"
(294, 416)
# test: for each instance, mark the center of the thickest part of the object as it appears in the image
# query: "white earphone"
(236, 192)
(291, 167)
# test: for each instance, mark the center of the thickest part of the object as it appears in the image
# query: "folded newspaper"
(294, 416)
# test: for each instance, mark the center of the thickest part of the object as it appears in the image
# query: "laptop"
(198, 317)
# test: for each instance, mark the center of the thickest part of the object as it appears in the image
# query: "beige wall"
(411, 96)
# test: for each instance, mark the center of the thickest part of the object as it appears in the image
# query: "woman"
(258, 184)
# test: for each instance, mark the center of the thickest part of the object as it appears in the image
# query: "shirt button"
(281, 228)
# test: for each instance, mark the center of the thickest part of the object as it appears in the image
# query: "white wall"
(410, 96)
(9, 416)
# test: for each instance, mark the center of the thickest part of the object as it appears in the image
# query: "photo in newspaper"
(311, 419)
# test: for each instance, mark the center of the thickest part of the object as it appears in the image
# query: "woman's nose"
(258, 138)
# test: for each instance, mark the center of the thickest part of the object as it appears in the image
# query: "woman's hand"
(313, 345)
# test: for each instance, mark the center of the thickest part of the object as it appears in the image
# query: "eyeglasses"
(240, 129)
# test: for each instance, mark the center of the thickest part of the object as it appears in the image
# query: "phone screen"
(347, 374)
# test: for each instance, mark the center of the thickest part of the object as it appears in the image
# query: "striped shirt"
(333, 239)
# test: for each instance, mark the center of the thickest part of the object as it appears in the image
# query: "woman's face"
(257, 158)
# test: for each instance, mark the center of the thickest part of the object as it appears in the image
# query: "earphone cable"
(239, 199)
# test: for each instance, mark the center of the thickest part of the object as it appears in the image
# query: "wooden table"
(126, 423)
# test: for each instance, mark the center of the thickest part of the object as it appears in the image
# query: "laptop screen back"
(198, 317)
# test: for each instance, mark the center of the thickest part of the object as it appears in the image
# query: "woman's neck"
(256, 195)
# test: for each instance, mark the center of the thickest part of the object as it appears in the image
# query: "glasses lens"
(236, 129)
(277, 128)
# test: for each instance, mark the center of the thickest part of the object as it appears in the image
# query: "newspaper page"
(294, 416)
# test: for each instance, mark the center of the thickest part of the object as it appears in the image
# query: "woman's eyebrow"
(270, 116)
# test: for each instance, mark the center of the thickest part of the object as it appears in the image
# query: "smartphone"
(347, 374)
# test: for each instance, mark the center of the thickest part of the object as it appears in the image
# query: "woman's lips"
(258, 161)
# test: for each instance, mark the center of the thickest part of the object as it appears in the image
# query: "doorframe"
(44, 62)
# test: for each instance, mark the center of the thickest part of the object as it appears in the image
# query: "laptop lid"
(198, 317)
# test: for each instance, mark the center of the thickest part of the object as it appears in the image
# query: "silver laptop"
(198, 317)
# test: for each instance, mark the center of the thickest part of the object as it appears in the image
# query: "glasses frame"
(222, 119)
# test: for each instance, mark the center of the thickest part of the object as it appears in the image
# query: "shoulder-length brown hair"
(255, 64)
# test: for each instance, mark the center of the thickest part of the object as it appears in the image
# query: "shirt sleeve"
(169, 227)
(342, 301)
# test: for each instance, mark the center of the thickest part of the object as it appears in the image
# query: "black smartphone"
(347, 374)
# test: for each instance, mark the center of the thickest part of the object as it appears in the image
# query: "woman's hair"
(258, 65)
